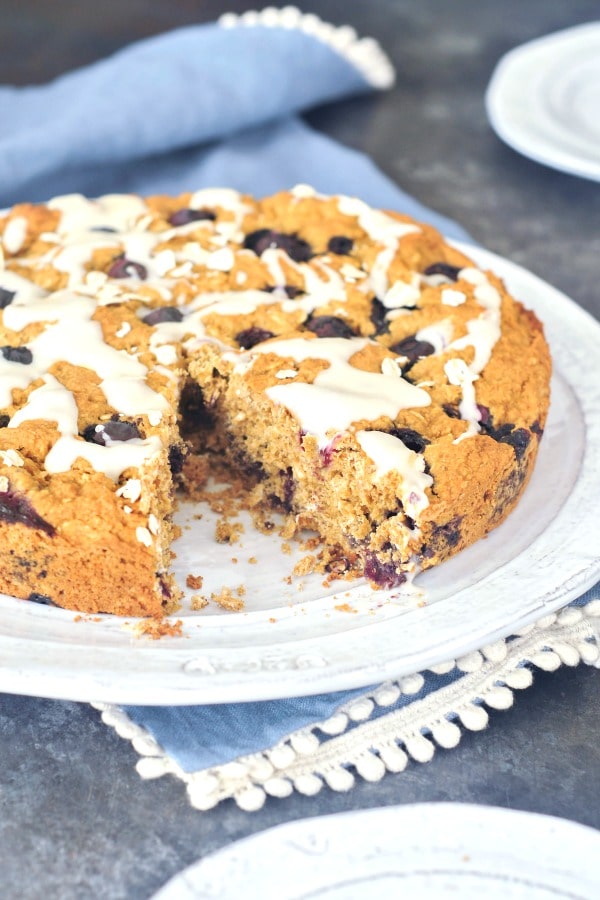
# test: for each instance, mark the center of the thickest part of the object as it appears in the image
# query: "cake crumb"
(344, 607)
(194, 582)
(198, 601)
(227, 532)
(252, 560)
(155, 629)
(228, 599)
(286, 548)
(306, 565)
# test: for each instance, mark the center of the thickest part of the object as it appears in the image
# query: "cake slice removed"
(384, 469)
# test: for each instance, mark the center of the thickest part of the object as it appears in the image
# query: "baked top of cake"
(366, 378)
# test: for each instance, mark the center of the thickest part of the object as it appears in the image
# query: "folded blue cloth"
(199, 107)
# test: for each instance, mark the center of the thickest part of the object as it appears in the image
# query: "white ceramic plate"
(432, 850)
(544, 100)
(300, 639)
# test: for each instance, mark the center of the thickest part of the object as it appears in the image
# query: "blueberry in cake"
(367, 379)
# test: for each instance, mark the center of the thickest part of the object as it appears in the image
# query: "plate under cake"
(365, 378)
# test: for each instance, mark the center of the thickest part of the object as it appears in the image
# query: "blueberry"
(290, 289)
(537, 429)
(451, 410)
(442, 537)
(326, 455)
(442, 268)
(289, 487)
(185, 216)
(384, 574)
(34, 597)
(517, 438)
(164, 587)
(329, 327)
(122, 267)
(114, 431)
(266, 238)
(177, 455)
(284, 503)
(450, 531)
(15, 508)
(378, 316)
(194, 412)
(4, 420)
(22, 355)
(248, 465)
(163, 314)
(413, 349)
(340, 245)
(252, 336)
(410, 438)
(6, 297)
(519, 441)
(485, 416)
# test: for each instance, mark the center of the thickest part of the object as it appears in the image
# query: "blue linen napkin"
(205, 106)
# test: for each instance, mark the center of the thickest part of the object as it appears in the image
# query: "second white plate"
(543, 100)
(428, 850)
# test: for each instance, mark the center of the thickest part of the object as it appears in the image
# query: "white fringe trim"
(365, 54)
(303, 763)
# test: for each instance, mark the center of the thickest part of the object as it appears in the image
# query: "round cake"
(365, 378)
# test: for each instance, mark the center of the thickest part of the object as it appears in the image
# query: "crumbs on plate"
(194, 582)
(228, 599)
(155, 629)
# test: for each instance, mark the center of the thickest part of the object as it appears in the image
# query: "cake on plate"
(365, 378)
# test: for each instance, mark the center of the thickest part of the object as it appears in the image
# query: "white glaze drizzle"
(450, 297)
(389, 454)
(341, 394)
(15, 234)
(78, 213)
(402, 294)
(53, 402)
(23, 289)
(319, 291)
(482, 334)
(380, 228)
(439, 334)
